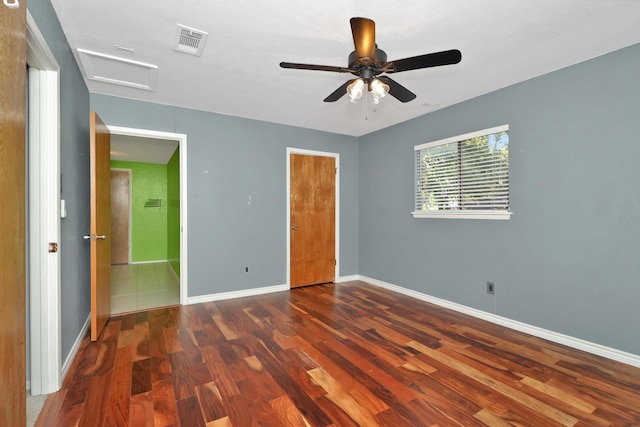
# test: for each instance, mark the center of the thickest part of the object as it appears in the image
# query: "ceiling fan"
(368, 62)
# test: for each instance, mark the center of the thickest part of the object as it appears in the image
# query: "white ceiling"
(139, 149)
(502, 42)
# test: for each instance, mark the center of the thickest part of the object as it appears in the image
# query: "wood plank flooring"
(334, 355)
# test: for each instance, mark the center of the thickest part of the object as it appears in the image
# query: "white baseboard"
(577, 343)
(148, 262)
(74, 349)
(237, 294)
(255, 291)
(351, 278)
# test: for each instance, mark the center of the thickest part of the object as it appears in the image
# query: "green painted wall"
(148, 225)
(173, 211)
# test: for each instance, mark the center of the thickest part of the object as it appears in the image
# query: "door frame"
(182, 147)
(129, 237)
(336, 156)
(44, 214)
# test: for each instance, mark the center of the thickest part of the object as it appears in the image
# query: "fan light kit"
(367, 62)
(376, 87)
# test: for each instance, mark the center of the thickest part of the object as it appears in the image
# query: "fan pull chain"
(366, 107)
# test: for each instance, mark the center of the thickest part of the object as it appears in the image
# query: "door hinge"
(336, 171)
(335, 262)
(53, 247)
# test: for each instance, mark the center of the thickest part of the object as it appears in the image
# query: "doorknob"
(294, 228)
(93, 237)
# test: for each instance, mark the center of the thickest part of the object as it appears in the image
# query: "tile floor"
(143, 286)
(34, 406)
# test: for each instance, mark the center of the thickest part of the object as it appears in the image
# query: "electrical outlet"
(491, 288)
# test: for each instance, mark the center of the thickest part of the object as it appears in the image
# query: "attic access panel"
(119, 71)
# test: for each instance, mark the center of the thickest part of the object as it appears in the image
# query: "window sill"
(463, 214)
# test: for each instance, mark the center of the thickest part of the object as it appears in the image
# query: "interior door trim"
(293, 150)
(45, 336)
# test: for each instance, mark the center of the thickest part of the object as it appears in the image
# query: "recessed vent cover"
(189, 40)
(153, 203)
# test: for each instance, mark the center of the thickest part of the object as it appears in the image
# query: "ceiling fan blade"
(315, 67)
(340, 92)
(398, 91)
(364, 37)
(437, 59)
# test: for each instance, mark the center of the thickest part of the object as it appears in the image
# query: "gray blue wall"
(568, 260)
(74, 168)
(228, 159)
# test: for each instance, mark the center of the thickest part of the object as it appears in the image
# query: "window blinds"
(471, 173)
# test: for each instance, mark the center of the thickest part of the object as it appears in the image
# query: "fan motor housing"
(357, 63)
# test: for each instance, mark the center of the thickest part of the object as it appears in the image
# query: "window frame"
(466, 213)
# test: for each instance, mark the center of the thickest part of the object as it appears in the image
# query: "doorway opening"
(151, 226)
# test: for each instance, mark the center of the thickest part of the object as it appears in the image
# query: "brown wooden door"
(313, 219)
(100, 225)
(120, 198)
(13, 71)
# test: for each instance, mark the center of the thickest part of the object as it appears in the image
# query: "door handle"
(294, 228)
(93, 237)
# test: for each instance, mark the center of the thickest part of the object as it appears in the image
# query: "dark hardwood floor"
(334, 355)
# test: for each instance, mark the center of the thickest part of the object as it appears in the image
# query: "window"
(466, 176)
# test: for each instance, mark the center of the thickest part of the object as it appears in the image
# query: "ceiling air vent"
(189, 40)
